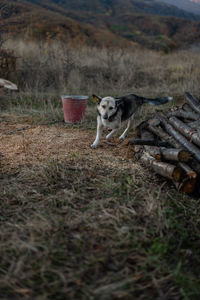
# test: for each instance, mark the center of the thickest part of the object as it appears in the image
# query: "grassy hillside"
(116, 7)
(116, 26)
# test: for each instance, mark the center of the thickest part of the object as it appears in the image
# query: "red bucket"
(74, 108)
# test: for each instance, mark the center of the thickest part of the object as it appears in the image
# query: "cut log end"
(173, 154)
(155, 152)
(188, 186)
(192, 174)
(158, 157)
(188, 170)
(177, 174)
(184, 156)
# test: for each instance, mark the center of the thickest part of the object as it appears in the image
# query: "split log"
(187, 186)
(193, 102)
(184, 114)
(164, 136)
(185, 130)
(188, 170)
(164, 169)
(181, 139)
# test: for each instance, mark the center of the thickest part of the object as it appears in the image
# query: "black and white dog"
(113, 111)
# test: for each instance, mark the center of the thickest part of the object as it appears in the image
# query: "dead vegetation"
(87, 224)
(58, 67)
(90, 224)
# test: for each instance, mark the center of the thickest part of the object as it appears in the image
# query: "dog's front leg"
(112, 133)
(99, 132)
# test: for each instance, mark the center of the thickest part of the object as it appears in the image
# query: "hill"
(102, 22)
(117, 7)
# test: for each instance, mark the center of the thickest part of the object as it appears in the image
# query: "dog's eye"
(111, 108)
(103, 106)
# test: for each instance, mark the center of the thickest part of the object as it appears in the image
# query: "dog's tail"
(157, 101)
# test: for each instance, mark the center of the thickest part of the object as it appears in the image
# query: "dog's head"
(107, 106)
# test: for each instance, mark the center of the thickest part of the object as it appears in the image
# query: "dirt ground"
(37, 144)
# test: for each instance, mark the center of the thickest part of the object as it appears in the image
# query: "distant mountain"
(192, 6)
(155, 7)
(149, 23)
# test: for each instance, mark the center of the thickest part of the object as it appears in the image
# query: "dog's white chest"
(110, 125)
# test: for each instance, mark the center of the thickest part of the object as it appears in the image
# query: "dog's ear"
(96, 99)
(118, 101)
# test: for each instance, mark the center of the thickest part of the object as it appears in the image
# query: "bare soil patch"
(35, 145)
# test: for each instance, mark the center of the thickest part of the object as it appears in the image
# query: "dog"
(112, 112)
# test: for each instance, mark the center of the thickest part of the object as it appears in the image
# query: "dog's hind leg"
(99, 132)
(129, 125)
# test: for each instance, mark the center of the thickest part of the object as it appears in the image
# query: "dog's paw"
(94, 146)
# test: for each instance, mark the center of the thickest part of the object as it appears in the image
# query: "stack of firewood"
(170, 145)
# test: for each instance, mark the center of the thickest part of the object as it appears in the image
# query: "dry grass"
(90, 224)
(55, 66)
(78, 223)
(46, 71)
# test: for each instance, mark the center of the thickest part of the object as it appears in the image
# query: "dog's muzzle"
(105, 116)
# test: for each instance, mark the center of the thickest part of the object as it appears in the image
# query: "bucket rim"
(74, 97)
